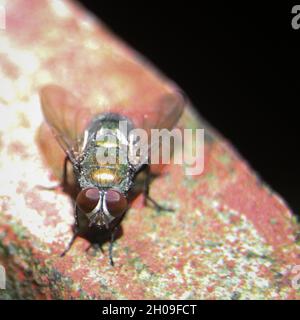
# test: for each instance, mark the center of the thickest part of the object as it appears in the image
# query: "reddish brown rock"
(230, 235)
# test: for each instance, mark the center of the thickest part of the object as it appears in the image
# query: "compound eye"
(116, 202)
(87, 199)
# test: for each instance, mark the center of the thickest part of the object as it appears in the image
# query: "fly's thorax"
(104, 161)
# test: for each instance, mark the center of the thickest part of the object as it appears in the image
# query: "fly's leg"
(111, 243)
(70, 244)
(147, 198)
(157, 206)
(94, 246)
(61, 185)
(112, 239)
(75, 234)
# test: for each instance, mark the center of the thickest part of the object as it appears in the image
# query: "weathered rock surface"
(230, 236)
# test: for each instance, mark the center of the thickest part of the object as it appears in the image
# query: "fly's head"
(101, 206)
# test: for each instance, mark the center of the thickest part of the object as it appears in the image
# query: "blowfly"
(87, 138)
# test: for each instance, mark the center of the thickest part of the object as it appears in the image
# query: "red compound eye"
(116, 202)
(87, 199)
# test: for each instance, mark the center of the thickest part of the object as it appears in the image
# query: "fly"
(87, 138)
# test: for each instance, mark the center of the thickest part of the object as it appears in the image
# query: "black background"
(239, 66)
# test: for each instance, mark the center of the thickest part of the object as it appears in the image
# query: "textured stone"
(230, 236)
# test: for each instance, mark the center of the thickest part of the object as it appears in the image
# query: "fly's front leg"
(113, 235)
(111, 243)
(94, 247)
(147, 198)
(70, 244)
(75, 234)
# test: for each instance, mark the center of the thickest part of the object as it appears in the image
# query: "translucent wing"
(65, 115)
(163, 114)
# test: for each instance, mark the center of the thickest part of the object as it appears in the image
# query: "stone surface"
(230, 236)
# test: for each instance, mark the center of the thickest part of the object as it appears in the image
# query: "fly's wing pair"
(68, 118)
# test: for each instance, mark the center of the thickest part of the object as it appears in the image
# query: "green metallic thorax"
(105, 163)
